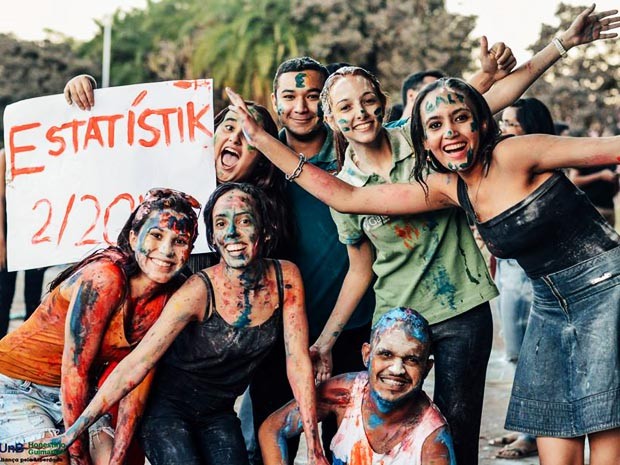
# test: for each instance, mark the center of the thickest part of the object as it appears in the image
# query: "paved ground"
(499, 381)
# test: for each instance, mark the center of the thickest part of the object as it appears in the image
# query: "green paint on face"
(300, 80)
(379, 114)
(474, 126)
(343, 124)
(280, 109)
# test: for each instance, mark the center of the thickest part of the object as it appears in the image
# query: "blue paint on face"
(374, 421)
(384, 406)
(446, 439)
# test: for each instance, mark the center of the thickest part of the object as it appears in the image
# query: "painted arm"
(538, 153)
(130, 410)
(185, 305)
(80, 90)
(496, 63)
(2, 210)
(356, 282)
(586, 28)
(333, 396)
(438, 448)
(298, 365)
(382, 199)
(95, 292)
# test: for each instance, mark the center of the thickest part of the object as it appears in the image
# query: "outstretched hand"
(497, 61)
(588, 27)
(248, 123)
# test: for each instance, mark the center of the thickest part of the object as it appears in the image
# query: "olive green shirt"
(429, 262)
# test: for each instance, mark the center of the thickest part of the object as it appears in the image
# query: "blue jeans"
(461, 347)
(515, 300)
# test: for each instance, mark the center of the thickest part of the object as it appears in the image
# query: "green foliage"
(581, 89)
(32, 69)
(391, 38)
(240, 43)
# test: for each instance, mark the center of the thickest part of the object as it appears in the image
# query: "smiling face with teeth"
(235, 229)
(450, 129)
(397, 364)
(162, 245)
(356, 109)
(235, 159)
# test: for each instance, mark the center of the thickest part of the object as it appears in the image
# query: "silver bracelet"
(560, 46)
(297, 171)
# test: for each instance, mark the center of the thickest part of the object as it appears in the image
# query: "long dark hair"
(122, 253)
(489, 130)
(269, 233)
(270, 179)
(340, 142)
(534, 116)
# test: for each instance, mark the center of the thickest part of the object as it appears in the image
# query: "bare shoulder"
(290, 272)
(102, 275)
(438, 448)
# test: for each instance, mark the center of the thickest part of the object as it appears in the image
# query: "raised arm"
(333, 396)
(537, 153)
(298, 365)
(95, 292)
(495, 64)
(188, 303)
(356, 282)
(586, 28)
(383, 199)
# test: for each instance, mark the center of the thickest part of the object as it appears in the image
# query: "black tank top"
(215, 359)
(554, 227)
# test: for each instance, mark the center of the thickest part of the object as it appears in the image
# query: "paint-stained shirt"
(350, 445)
(322, 260)
(429, 262)
(33, 352)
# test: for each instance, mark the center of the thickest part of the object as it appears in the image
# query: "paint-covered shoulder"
(290, 272)
(337, 390)
(102, 274)
(438, 448)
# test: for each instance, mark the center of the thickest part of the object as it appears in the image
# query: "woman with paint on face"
(225, 320)
(95, 314)
(567, 382)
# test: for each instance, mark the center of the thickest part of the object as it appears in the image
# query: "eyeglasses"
(165, 192)
(508, 124)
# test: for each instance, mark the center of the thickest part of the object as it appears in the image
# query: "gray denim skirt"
(567, 382)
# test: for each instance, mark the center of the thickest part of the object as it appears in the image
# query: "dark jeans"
(461, 349)
(270, 388)
(33, 284)
(172, 434)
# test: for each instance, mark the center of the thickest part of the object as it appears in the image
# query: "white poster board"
(73, 176)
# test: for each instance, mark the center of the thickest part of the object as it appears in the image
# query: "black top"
(215, 359)
(554, 227)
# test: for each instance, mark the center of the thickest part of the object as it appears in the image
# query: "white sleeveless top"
(350, 444)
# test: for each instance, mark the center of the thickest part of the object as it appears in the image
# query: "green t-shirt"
(429, 262)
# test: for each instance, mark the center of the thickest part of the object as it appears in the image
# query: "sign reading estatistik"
(73, 176)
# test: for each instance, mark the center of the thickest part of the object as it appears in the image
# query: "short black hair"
(415, 80)
(299, 64)
(534, 116)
